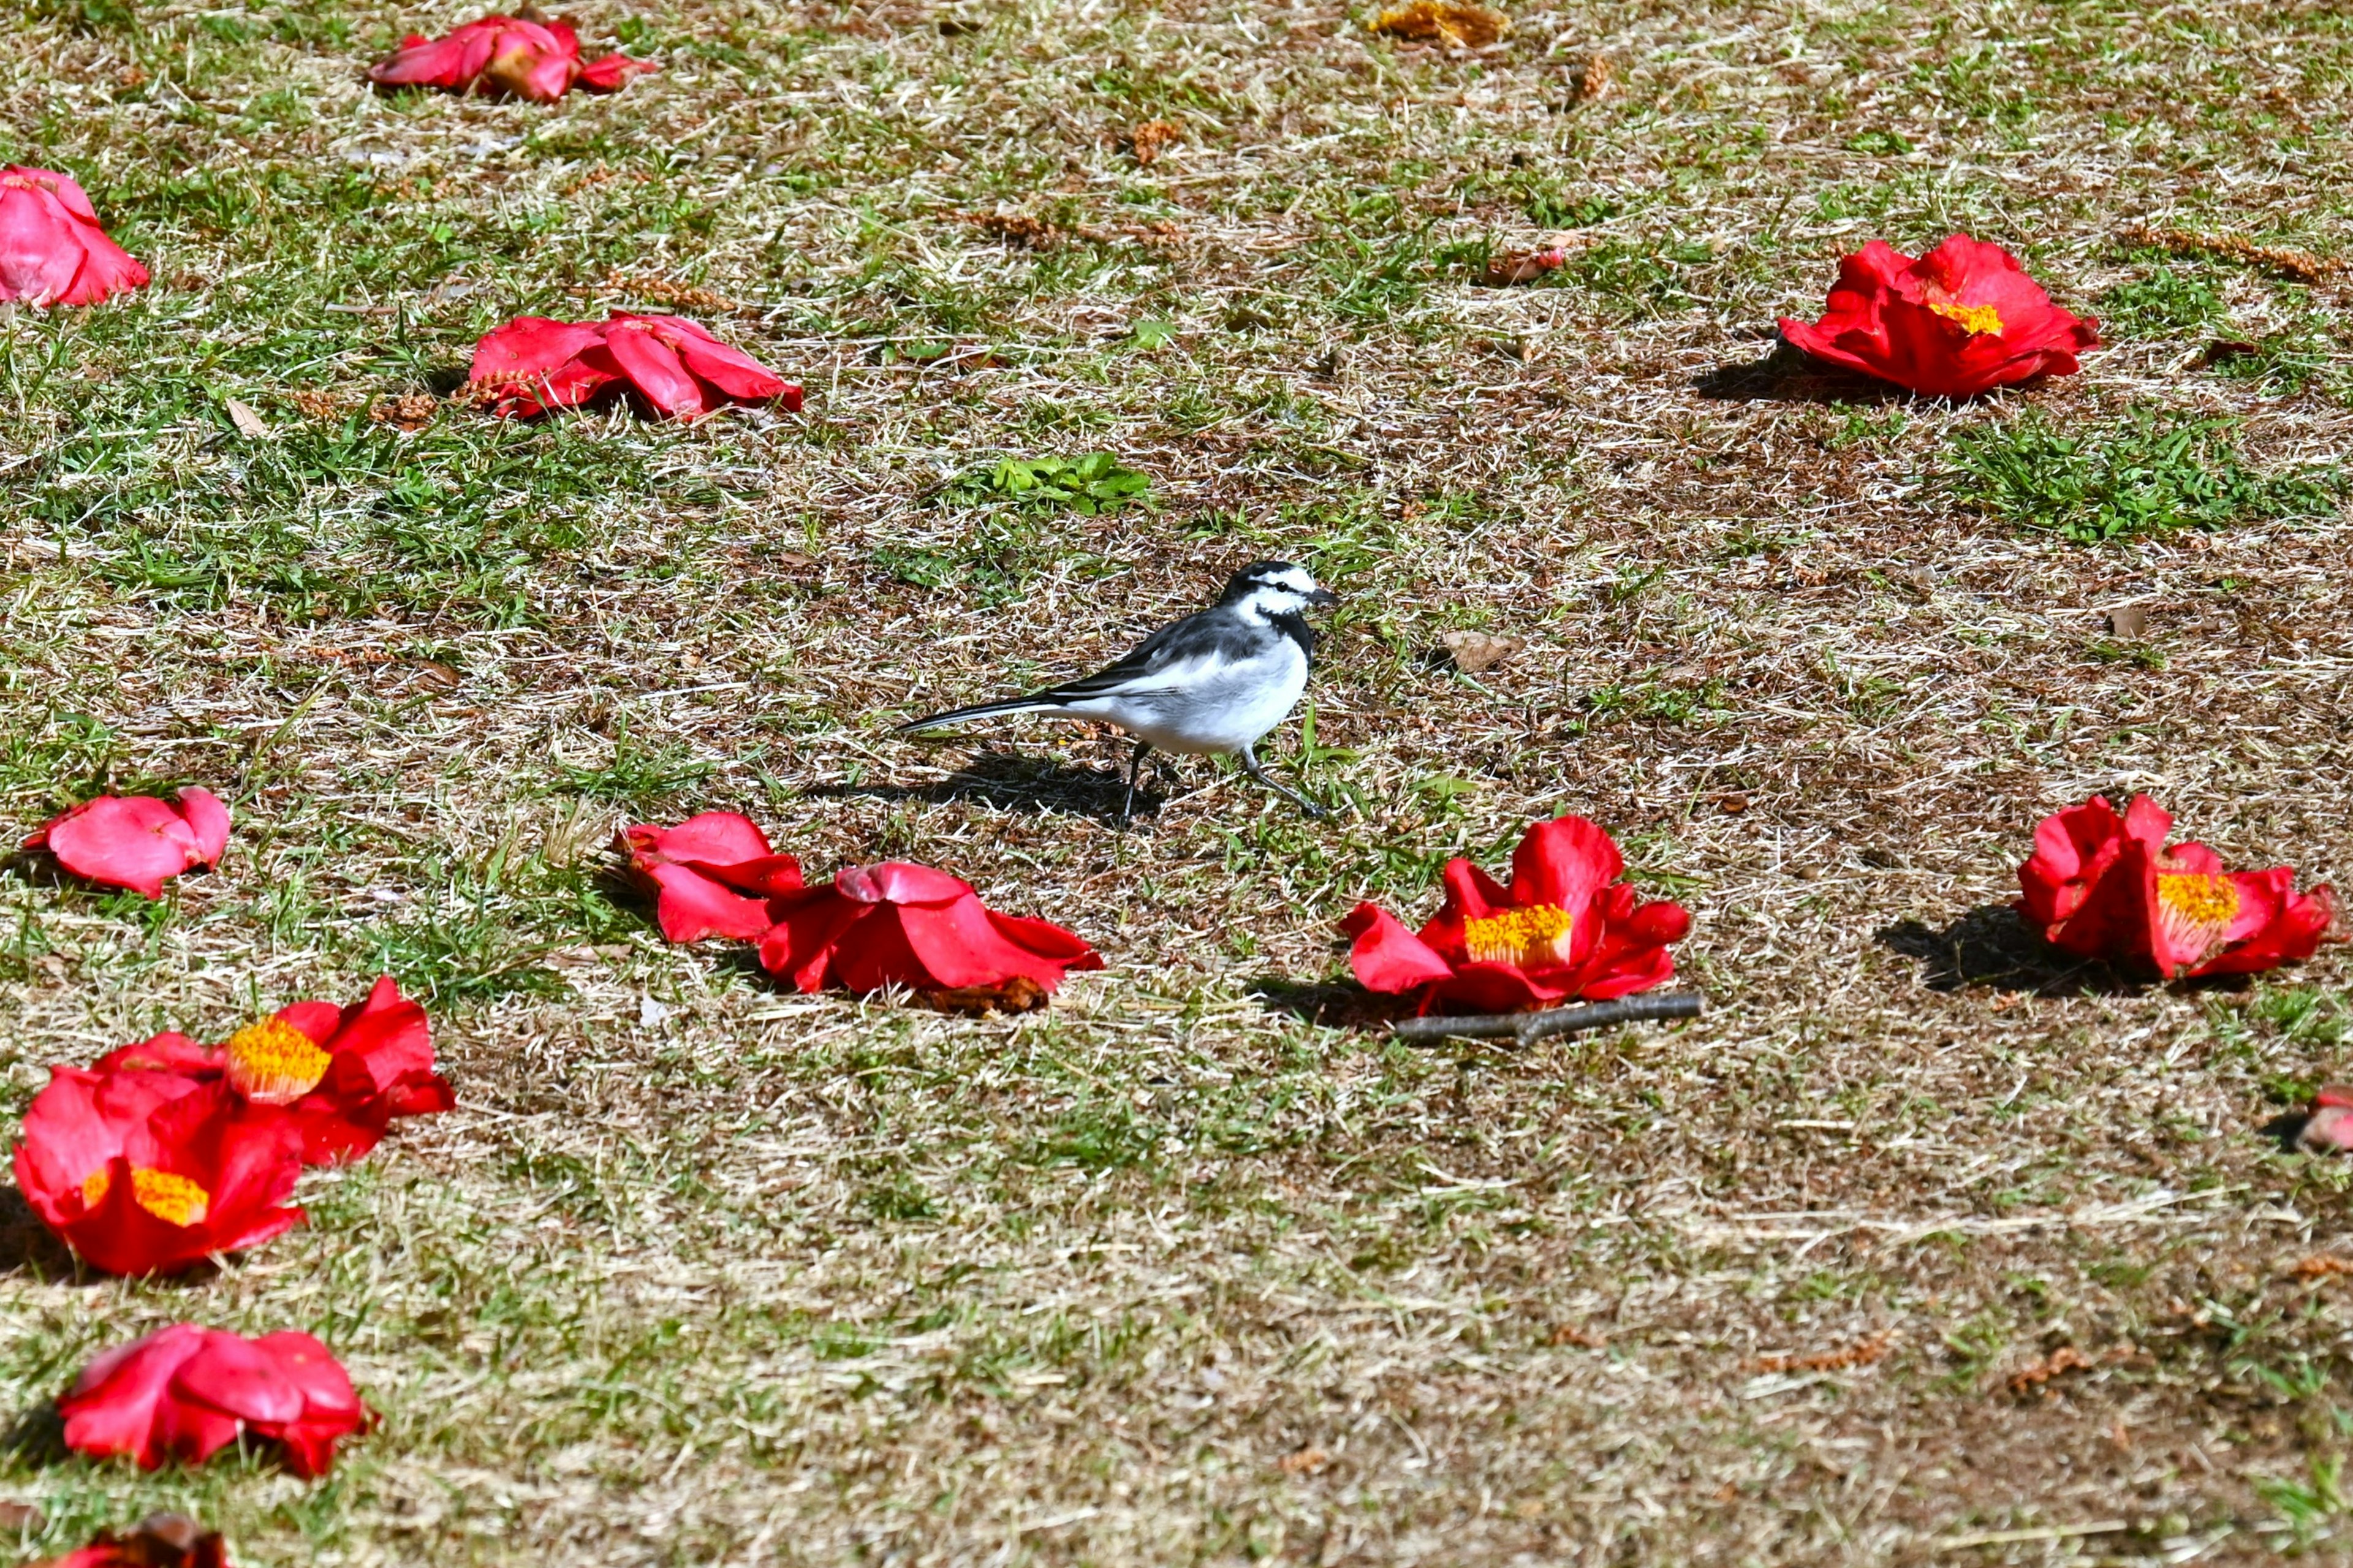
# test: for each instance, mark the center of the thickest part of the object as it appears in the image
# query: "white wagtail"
(1208, 685)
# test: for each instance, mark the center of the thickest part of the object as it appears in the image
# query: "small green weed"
(1093, 484)
(2153, 472)
(2163, 304)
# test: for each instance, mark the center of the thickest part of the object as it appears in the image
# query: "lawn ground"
(1916, 1247)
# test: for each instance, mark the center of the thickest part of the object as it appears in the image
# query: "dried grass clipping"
(1449, 22)
(1594, 81)
(678, 296)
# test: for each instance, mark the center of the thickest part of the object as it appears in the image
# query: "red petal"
(720, 837)
(113, 1407)
(1388, 958)
(811, 926)
(1564, 863)
(41, 249)
(899, 882)
(240, 1379)
(134, 842)
(959, 943)
(732, 371)
(612, 72)
(208, 821)
(653, 368)
(692, 906)
(874, 953)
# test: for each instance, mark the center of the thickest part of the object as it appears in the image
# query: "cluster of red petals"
(680, 370)
(901, 925)
(185, 1392)
(137, 841)
(52, 251)
(871, 928)
(713, 874)
(1960, 320)
(159, 1540)
(146, 1172)
(1566, 929)
(537, 60)
(2101, 886)
(338, 1074)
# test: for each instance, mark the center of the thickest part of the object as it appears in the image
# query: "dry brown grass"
(704, 1273)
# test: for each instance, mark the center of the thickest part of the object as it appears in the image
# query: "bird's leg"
(1250, 766)
(1134, 768)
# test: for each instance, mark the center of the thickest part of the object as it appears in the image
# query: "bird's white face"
(1286, 591)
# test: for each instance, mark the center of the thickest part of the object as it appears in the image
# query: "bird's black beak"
(1322, 596)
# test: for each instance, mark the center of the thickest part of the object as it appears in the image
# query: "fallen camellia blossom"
(52, 251)
(159, 1540)
(1566, 929)
(340, 1074)
(713, 874)
(1506, 267)
(147, 1173)
(533, 364)
(1959, 320)
(902, 924)
(2328, 1127)
(537, 60)
(2100, 885)
(137, 841)
(185, 1392)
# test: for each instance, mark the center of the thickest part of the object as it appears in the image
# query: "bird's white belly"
(1208, 714)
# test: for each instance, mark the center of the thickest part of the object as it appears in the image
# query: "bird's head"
(1276, 588)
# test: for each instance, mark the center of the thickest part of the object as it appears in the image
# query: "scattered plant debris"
(2300, 264)
(1473, 652)
(1868, 1351)
(409, 411)
(1506, 267)
(1152, 138)
(1303, 1462)
(2322, 1265)
(1449, 22)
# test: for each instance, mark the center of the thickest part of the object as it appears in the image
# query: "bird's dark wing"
(1208, 635)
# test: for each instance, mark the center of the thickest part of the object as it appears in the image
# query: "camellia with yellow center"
(1527, 937)
(173, 1199)
(2194, 910)
(1977, 320)
(274, 1063)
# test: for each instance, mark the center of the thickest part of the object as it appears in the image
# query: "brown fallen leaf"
(1018, 994)
(1732, 804)
(249, 424)
(1449, 22)
(1152, 138)
(1473, 652)
(2128, 621)
(441, 676)
(1506, 267)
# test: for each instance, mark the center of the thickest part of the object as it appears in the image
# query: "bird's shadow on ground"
(1991, 946)
(1786, 376)
(36, 1440)
(1007, 781)
(2285, 1129)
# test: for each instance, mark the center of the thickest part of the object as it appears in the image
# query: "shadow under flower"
(1786, 376)
(26, 1246)
(1991, 946)
(1336, 1004)
(1007, 781)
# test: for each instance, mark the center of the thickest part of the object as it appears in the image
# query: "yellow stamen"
(2194, 910)
(174, 1200)
(1972, 319)
(274, 1063)
(1539, 931)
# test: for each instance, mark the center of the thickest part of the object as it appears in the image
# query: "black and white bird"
(1208, 685)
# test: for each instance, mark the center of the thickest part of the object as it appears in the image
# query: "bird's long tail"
(1037, 704)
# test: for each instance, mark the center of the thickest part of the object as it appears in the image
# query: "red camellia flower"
(713, 874)
(1566, 929)
(901, 925)
(52, 251)
(159, 1540)
(185, 1392)
(673, 366)
(137, 841)
(1961, 319)
(2100, 885)
(339, 1074)
(537, 60)
(147, 1173)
